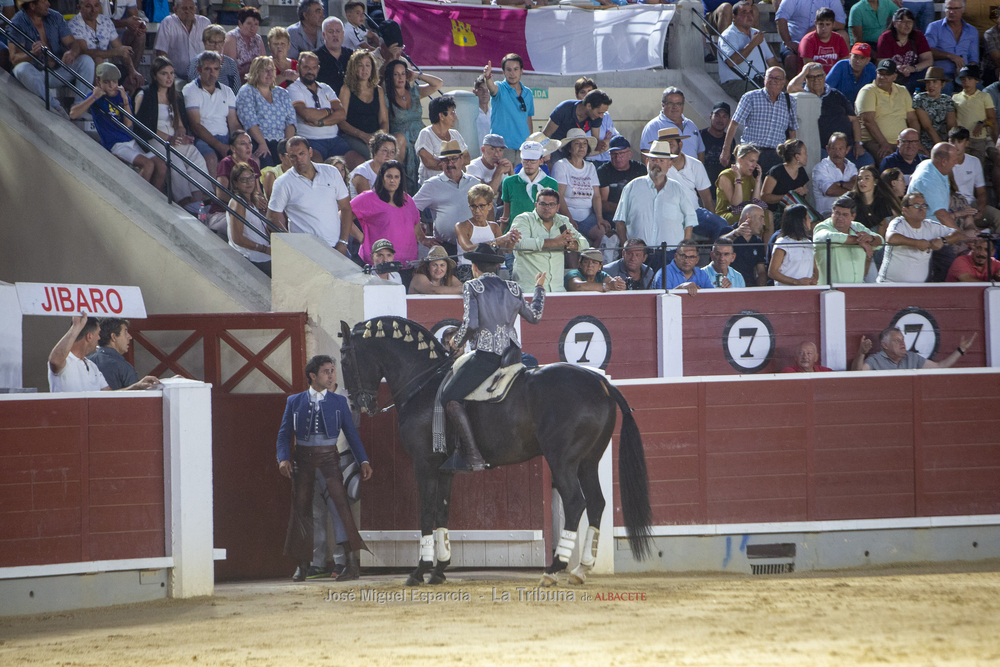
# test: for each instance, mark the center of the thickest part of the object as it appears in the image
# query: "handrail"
(6, 23)
(750, 65)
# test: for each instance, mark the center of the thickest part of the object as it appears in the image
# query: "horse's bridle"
(367, 399)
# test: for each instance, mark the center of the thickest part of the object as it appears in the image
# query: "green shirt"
(848, 260)
(529, 264)
(871, 21)
(514, 191)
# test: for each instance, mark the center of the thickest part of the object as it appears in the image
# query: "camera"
(384, 268)
(759, 80)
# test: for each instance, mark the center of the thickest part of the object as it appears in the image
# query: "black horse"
(560, 411)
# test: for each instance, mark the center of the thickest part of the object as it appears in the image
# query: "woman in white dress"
(254, 246)
(794, 261)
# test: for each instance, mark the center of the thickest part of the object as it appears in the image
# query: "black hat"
(485, 253)
(970, 71)
(887, 64)
(390, 33)
(722, 106)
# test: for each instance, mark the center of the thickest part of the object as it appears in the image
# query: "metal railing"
(6, 25)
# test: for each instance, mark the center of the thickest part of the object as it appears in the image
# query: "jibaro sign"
(94, 300)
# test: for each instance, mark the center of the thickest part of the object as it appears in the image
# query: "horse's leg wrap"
(442, 545)
(425, 563)
(442, 548)
(564, 549)
(587, 557)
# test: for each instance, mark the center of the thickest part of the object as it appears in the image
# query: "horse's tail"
(633, 480)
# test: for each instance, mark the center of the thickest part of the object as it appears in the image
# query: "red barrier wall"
(820, 448)
(630, 319)
(81, 479)
(958, 310)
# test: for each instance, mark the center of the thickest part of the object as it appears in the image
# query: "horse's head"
(361, 371)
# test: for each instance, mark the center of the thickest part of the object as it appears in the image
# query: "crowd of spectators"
(318, 129)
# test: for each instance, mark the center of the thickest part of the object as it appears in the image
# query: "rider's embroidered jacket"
(336, 415)
(491, 309)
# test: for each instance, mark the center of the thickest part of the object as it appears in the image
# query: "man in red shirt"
(972, 266)
(806, 356)
(823, 46)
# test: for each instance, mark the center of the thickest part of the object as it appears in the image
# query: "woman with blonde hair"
(477, 229)
(265, 111)
(739, 185)
(254, 245)
(364, 103)
(279, 42)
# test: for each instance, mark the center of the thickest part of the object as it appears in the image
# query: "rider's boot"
(353, 569)
(466, 457)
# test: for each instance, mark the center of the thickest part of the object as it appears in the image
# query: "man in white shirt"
(910, 240)
(968, 173)
(211, 110)
(308, 195)
(69, 369)
(743, 52)
(319, 110)
(834, 175)
(179, 36)
(672, 115)
(691, 174)
(656, 208)
(491, 167)
(97, 37)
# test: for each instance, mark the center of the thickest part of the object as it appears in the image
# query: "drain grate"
(772, 568)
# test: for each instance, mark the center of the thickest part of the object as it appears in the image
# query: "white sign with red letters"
(94, 300)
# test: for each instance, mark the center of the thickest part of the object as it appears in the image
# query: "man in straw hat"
(656, 208)
(446, 197)
(491, 307)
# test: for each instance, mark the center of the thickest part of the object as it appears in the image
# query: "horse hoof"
(414, 581)
(548, 580)
(577, 580)
(437, 579)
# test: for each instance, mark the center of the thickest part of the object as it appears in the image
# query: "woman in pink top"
(243, 44)
(387, 212)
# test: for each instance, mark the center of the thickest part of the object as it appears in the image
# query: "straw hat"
(576, 133)
(549, 146)
(673, 133)
(450, 149)
(659, 149)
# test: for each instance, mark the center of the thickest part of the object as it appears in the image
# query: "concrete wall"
(309, 276)
(74, 213)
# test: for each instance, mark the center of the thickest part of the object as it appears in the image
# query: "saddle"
(495, 388)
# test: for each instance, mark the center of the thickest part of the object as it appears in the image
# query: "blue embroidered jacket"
(336, 415)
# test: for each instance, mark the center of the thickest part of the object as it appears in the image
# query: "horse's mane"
(392, 325)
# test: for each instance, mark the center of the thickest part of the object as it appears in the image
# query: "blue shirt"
(735, 277)
(118, 372)
(506, 117)
(109, 132)
(252, 109)
(939, 36)
(896, 160)
(801, 15)
(676, 278)
(564, 116)
(841, 77)
(933, 185)
(56, 29)
(764, 122)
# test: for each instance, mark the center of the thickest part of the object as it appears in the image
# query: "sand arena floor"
(926, 615)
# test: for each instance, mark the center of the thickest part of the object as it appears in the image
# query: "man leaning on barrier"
(894, 355)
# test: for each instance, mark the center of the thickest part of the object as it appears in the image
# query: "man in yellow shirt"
(975, 112)
(886, 109)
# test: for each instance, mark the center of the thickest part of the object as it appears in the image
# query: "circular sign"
(920, 331)
(585, 341)
(748, 341)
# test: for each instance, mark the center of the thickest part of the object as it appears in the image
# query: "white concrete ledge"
(454, 535)
(821, 526)
(89, 567)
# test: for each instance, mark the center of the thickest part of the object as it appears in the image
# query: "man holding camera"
(546, 237)
(744, 53)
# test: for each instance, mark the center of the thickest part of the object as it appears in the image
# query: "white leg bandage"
(589, 554)
(427, 548)
(567, 540)
(442, 544)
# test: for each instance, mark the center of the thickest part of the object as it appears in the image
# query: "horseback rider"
(491, 309)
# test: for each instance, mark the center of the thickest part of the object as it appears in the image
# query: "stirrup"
(457, 464)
